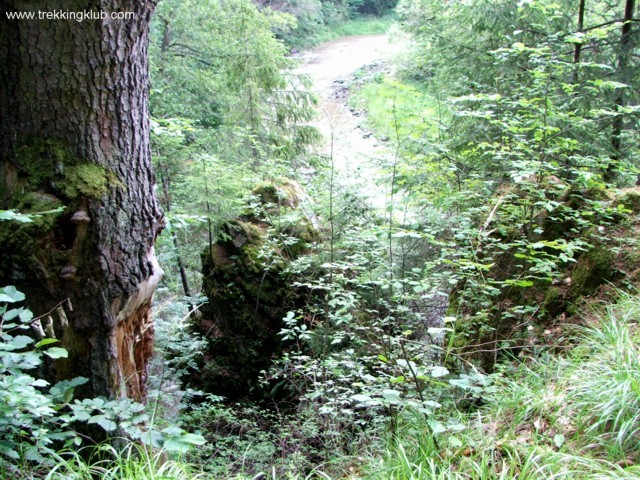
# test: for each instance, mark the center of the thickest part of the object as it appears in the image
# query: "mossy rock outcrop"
(249, 291)
(628, 199)
(522, 308)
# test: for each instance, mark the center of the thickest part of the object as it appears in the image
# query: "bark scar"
(133, 334)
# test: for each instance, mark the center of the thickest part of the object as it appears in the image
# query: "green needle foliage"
(220, 65)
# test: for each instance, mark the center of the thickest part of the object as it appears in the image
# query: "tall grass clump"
(604, 388)
(132, 462)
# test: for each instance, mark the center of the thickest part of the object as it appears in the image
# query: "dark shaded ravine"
(356, 153)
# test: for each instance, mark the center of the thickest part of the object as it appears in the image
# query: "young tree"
(220, 65)
(74, 132)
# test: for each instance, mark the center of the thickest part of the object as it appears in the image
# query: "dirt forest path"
(331, 67)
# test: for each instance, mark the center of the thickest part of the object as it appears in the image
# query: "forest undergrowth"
(483, 325)
(567, 415)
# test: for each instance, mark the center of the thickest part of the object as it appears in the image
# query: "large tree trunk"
(74, 131)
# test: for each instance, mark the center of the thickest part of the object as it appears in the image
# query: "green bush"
(38, 419)
(32, 421)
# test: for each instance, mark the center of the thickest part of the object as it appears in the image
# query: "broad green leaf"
(438, 330)
(361, 398)
(193, 439)
(455, 442)
(389, 394)
(172, 431)
(437, 427)
(26, 316)
(558, 440)
(8, 448)
(438, 372)
(82, 415)
(175, 445)
(19, 342)
(105, 422)
(12, 314)
(519, 283)
(11, 295)
(46, 341)
(56, 352)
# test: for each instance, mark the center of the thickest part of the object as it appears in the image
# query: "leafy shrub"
(38, 419)
(247, 439)
(31, 418)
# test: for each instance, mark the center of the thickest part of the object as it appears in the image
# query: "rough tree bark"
(624, 55)
(578, 45)
(74, 131)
